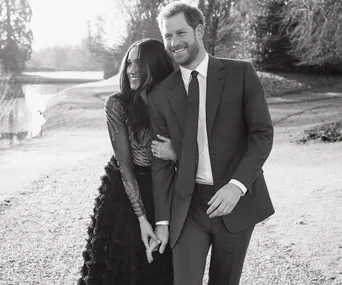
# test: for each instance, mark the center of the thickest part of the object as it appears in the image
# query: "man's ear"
(200, 31)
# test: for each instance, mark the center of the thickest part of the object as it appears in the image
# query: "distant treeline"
(63, 58)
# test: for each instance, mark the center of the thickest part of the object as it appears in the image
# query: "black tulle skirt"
(114, 253)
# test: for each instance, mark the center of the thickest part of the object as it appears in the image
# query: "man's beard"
(193, 51)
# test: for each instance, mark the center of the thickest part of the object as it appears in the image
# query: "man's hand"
(162, 232)
(224, 200)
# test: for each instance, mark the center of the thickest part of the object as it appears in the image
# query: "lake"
(21, 109)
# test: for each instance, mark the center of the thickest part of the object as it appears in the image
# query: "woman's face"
(132, 69)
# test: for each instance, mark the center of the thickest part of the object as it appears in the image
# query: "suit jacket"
(240, 137)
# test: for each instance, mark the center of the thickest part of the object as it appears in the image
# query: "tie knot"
(194, 74)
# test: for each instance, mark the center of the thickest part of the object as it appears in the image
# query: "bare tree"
(227, 26)
(217, 14)
(315, 28)
(141, 22)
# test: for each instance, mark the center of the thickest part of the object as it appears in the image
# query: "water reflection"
(21, 108)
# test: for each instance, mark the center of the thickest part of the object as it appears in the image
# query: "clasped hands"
(221, 204)
(162, 234)
(153, 240)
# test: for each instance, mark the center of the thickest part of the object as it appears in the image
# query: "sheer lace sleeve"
(118, 132)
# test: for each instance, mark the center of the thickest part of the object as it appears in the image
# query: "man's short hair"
(193, 14)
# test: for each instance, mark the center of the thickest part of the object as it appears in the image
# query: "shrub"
(331, 132)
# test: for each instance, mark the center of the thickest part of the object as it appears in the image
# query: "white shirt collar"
(202, 69)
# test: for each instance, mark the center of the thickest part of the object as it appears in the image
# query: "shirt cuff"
(240, 185)
(162, 223)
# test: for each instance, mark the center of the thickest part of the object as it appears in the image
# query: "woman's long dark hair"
(154, 66)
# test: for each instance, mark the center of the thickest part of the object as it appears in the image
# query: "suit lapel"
(215, 81)
(177, 97)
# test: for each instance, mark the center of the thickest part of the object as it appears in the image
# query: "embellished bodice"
(141, 151)
(128, 150)
(117, 118)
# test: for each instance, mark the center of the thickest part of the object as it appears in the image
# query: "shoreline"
(33, 77)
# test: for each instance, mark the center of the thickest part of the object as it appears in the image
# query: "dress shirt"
(204, 173)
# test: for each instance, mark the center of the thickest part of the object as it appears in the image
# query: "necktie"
(188, 160)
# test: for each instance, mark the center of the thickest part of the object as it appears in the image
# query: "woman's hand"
(163, 149)
(154, 246)
(147, 232)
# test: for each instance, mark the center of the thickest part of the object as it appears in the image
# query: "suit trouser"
(199, 232)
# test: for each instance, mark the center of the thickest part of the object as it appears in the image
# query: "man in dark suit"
(215, 113)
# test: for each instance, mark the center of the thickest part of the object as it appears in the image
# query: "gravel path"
(43, 230)
(43, 234)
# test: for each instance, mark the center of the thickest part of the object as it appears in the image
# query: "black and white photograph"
(170, 142)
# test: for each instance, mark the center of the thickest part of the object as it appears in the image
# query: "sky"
(64, 22)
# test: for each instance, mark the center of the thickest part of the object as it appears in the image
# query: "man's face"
(180, 39)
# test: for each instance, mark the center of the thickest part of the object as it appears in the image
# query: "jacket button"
(213, 155)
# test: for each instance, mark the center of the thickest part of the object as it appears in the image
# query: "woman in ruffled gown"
(123, 216)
